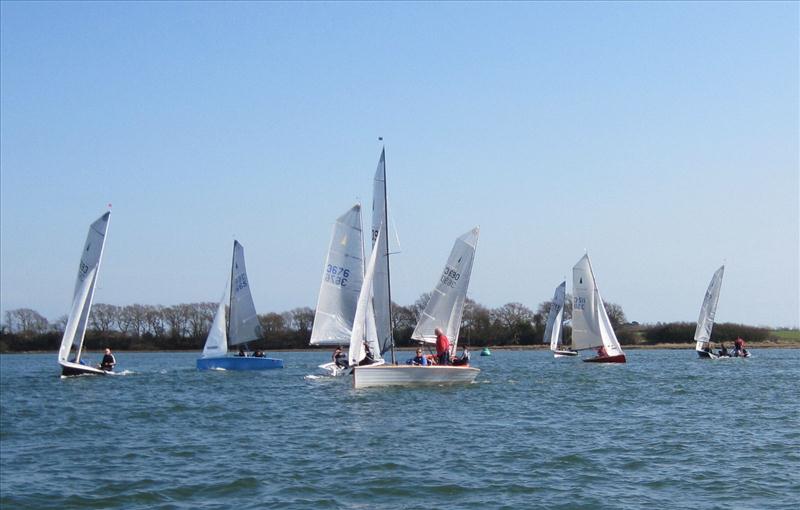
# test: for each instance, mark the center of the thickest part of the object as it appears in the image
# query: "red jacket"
(442, 344)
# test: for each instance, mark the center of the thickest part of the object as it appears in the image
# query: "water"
(664, 431)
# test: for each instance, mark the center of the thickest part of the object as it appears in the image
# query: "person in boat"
(368, 358)
(339, 357)
(601, 352)
(258, 354)
(708, 349)
(442, 347)
(108, 361)
(738, 347)
(723, 351)
(462, 360)
(241, 353)
(419, 359)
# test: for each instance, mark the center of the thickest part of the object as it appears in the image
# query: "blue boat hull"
(238, 363)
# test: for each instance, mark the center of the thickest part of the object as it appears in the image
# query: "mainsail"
(364, 327)
(244, 325)
(83, 294)
(552, 332)
(446, 303)
(707, 311)
(591, 326)
(341, 282)
(381, 290)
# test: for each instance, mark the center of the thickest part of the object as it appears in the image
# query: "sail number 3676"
(337, 275)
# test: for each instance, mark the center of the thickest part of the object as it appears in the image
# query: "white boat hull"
(409, 375)
(564, 353)
(335, 371)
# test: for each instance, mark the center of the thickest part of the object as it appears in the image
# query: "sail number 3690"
(450, 276)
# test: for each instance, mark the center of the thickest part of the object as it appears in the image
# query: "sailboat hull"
(238, 363)
(69, 369)
(619, 358)
(564, 353)
(706, 355)
(410, 375)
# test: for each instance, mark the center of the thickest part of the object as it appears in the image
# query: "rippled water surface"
(664, 431)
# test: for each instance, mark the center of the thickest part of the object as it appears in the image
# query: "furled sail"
(707, 311)
(552, 332)
(381, 291)
(446, 304)
(591, 326)
(244, 325)
(364, 327)
(83, 294)
(341, 282)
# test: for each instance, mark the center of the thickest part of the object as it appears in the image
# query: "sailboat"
(705, 322)
(69, 355)
(591, 327)
(553, 330)
(444, 310)
(242, 327)
(341, 285)
(364, 346)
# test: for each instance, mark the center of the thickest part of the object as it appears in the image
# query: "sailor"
(258, 354)
(108, 361)
(241, 352)
(723, 351)
(442, 347)
(464, 358)
(368, 358)
(339, 357)
(419, 359)
(601, 352)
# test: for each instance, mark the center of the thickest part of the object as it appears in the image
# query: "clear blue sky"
(662, 137)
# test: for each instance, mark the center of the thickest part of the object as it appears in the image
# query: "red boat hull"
(619, 358)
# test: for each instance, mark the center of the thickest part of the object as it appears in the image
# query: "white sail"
(83, 294)
(244, 325)
(364, 327)
(446, 304)
(707, 311)
(552, 332)
(381, 290)
(217, 340)
(591, 326)
(341, 282)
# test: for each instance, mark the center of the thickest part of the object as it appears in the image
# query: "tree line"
(185, 327)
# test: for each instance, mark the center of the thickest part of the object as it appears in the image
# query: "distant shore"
(670, 346)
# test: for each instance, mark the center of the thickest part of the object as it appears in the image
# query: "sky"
(661, 137)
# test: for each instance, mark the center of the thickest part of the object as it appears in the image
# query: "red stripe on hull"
(619, 358)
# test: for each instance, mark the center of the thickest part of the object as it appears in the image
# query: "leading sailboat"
(591, 327)
(242, 327)
(69, 355)
(553, 332)
(705, 322)
(444, 310)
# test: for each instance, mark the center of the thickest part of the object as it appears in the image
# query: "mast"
(388, 273)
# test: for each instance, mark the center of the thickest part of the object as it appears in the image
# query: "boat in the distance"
(591, 327)
(243, 325)
(553, 331)
(705, 322)
(444, 310)
(486, 351)
(71, 351)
